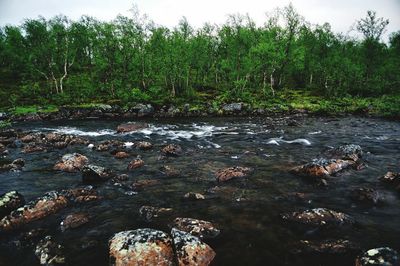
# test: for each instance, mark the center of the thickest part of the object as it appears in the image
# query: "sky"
(341, 14)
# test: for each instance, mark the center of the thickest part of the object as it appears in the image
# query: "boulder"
(365, 195)
(31, 148)
(14, 166)
(348, 152)
(190, 250)
(10, 201)
(194, 196)
(199, 228)
(172, 150)
(94, 173)
(130, 127)
(143, 109)
(121, 155)
(144, 145)
(74, 220)
(392, 179)
(232, 172)
(318, 217)
(149, 212)
(49, 252)
(321, 168)
(48, 204)
(379, 256)
(141, 247)
(78, 195)
(71, 163)
(137, 163)
(232, 107)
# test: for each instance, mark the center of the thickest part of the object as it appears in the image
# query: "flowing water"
(246, 210)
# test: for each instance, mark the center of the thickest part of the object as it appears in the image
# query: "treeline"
(132, 59)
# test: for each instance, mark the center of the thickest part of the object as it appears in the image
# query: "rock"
(190, 250)
(143, 109)
(29, 138)
(392, 179)
(121, 177)
(141, 247)
(326, 247)
(169, 171)
(194, 196)
(10, 201)
(8, 133)
(232, 172)
(232, 107)
(94, 173)
(71, 163)
(49, 252)
(150, 212)
(60, 145)
(121, 155)
(74, 220)
(48, 204)
(348, 152)
(172, 150)
(379, 256)
(16, 165)
(144, 145)
(137, 163)
(33, 148)
(321, 168)
(199, 228)
(78, 195)
(365, 195)
(130, 127)
(318, 217)
(145, 183)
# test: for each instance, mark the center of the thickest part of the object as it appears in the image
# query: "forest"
(58, 61)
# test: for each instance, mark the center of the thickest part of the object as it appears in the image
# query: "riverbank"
(285, 102)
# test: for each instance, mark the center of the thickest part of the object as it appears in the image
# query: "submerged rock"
(321, 168)
(141, 247)
(194, 196)
(144, 145)
(71, 163)
(74, 220)
(145, 183)
(365, 195)
(49, 252)
(16, 165)
(392, 179)
(31, 148)
(130, 127)
(172, 150)
(149, 212)
(93, 174)
(121, 155)
(339, 246)
(190, 250)
(318, 217)
(10, 201)
(134, 164)
(199, 228)
(170, 171)
(48, 204)
(232, 172)
(379, 256)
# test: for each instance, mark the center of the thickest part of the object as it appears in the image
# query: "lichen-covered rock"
(74, 220)
(392, 179)
(144, 145)
(149, 212)
(348, 152)
(48, 204)
(94, 173)
(379, 256)
(194, 196)
(16, 165)
(10, 201)
(232, 107)
(172, 150)
(71, 163)
(141, 247)
(339, 246)
(134, 164)
(318, 217)
(121, 155)
(232, 172)
(190, 250)
(199, 228)
(321, 168)
(49, 252)
(365, 195)
(143, 109)
(130, 127)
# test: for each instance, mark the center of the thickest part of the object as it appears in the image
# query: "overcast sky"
(341, 14)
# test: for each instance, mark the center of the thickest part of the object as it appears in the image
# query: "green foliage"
(5, 124)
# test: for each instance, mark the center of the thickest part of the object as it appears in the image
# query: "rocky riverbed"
(282, 190)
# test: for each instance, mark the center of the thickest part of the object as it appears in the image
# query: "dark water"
(247, 210)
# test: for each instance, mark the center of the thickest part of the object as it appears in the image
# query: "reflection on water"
(247, 210)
